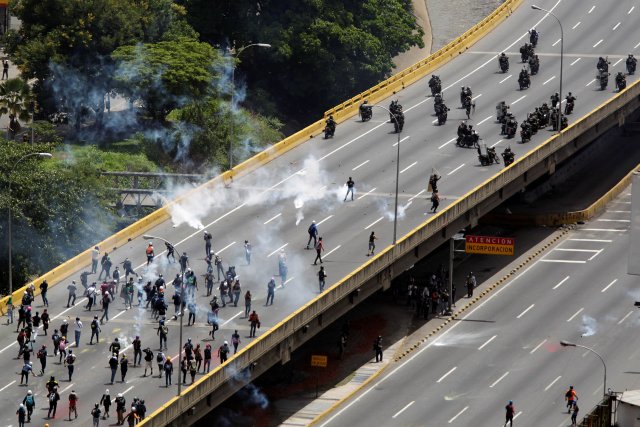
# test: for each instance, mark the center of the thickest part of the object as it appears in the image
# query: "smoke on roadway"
(589, 326)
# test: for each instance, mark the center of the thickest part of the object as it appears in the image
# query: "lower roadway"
(507, 347)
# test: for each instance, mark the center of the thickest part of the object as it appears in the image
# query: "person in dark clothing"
(377, 347)
(53, 397)
(510, 411)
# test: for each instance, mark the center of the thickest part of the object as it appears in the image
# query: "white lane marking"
(548, 80)
(538, 346)
(606, 229)
(476, 97)
(499, 141)
(631, 10)
(619, 211)
(404, 409)
(616, 26)
(448, 142)
(588, 84)
(505, 79)
(552, 383)
(576, 61)
(413, 197)
(269, 220)
(525, 312)
(360, 165)
(119, 314)
(576, 26)
(447, 374)
(576, 250)
(226, 247)
(618, 61)
(5, 387)
(575, 314)
(374, 223)
(367, 193)
(598, 43)
(131, 388)
(592, 240)
(67, 388)
(613, 220)
(79, 302)
(10, 345)
(408, 167)
(403, 139)
(556, 42)
(277, 250)
(499, 379)
(235, 315)
(332, 250)
(354, 139)
(482, 121)
(592, 7)
(326, 219)
(564, 261)
(517, 415)
(561, 282)
(487, 342)
(455, 170)
(619, 322)
(609, 285)
(594, 255)
(458, 414)
(519, 99)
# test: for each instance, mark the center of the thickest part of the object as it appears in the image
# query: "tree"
(168, 74)
(324, 50)
(65, 44)
(16, 101)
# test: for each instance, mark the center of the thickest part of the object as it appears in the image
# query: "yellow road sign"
(319, 360)
(489, 245)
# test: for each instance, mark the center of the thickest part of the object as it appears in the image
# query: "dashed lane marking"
(561, 282)
(538, 346)
(458, 414)
(575, 314)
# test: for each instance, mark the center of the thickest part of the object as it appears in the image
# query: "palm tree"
(15, 100)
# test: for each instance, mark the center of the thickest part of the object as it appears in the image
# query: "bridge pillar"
(285, 350)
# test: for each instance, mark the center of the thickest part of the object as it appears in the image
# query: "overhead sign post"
(489, 245)
(318, 361)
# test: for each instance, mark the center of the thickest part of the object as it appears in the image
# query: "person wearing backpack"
(207, 359)
(254, 322)
(95, 414)
(271, 291)
(95, 330)
(121, 408)
(73, 400)
(53, 397)
(42, 357)
(124, 367)
(148, 361)
(70, 360)
(168, 371)
(113, 365)
(160, 359)
(106, 301)
(313, 234)
(223, 352)
(163, 330)
(22, 414)
(193, 370)
(29, 402)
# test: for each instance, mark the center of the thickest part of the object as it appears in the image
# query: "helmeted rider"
(365, 109)
(533, 37)
(503, 60)
(603, 64)
(631, 64)
(331, 123)
(620, 79)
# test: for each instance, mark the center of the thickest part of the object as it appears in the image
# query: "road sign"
(489, 245)
(319, 361)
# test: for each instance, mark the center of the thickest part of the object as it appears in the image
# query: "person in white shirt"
(78, 330)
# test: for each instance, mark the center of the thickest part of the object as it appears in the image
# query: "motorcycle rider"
(510, 123)
(508, 156)
(365, 110)
(435, 85)
(533, 37)
(463, 130)
(631, 64)
(441, 112)
(437, 100)
(465, 95)
(331, 125)
(524, 52)
(523, 79)
(555, 99)
(621, 81)
(534, 64)
(526, 131)
(603, 78)
(503, 60)
(501, 111)
(395, 108)
(603, 64)
(570, 103)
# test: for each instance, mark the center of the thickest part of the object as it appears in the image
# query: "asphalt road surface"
(273, 206)
(507, 347)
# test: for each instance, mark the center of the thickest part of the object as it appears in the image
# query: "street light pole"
(534, 7)
(395, 213)
(571, 344)
(181, 314)
(47, 155)
(236, 54)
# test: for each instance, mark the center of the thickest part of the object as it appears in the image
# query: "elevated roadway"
(507, 347)
(273, 206)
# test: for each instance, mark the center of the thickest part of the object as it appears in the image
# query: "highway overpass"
(273, 205)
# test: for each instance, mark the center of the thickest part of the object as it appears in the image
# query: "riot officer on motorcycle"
(568, 109)
(533, 37)
(534, 64)
(465, 93)
(524, 80)
(603, 64)
(533, 121)
(394, 108)
(501, 111)
(503, 60)
(435, 85)
(330, 128)
(526, 132)
(366, 111)
(508, 156)
(631, 64)
(621, 81)
(603, 78)
(463, 130)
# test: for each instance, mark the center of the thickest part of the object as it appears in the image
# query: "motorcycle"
(524, 82)
(436, 87)
(525, 134)
(501, 111)
(398, 123)
(442, 117)
(533, 39)
(511, 129)
(366, 112)
(504, 64)
(508, 157)
(329, 131)
(621, 84)
(487, 156)
(564, 123)
(631, 66)
(468, 141)
(568, 108)
(535, 66)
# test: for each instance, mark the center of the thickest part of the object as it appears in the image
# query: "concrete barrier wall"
(382, 264)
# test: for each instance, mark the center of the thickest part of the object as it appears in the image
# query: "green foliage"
(324, 51)
(209, 125)
(55, 208)
(124, 156)
(166, 74)
(16, 99)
